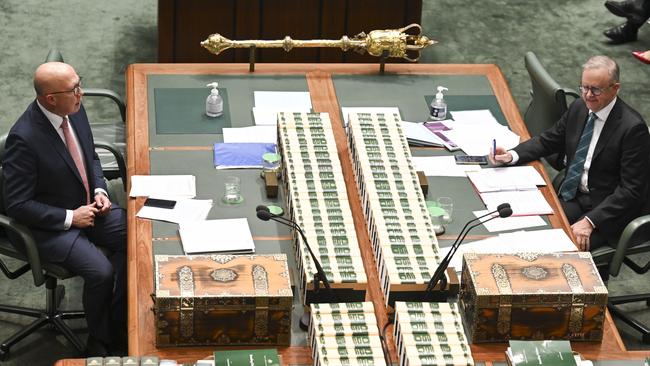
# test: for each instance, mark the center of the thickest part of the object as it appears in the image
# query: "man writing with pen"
(604, 145)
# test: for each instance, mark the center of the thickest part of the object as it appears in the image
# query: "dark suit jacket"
(42, 181)
(620, 167)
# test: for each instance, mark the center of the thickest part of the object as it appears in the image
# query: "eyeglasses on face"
(76, 90)
(593, 89)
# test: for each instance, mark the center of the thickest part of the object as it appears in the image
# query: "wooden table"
(142, 329)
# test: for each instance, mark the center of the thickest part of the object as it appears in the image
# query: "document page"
(184, 210)
(263, 134)
(163, 186)
(442, 166)
(269, 103)
(530, 202)
(537, 241)
(506, 179)
(509, 223)
(227, 235)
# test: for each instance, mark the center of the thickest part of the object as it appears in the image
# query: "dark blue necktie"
(574, 172)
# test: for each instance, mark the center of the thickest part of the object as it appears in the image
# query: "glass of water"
(232, 194)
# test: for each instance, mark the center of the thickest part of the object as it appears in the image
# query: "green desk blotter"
(471, 102)
(182, 111)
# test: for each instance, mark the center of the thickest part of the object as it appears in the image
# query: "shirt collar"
(54, 119)
(603, 114)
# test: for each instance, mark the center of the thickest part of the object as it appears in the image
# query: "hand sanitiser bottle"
(214, 103)
(438, 108)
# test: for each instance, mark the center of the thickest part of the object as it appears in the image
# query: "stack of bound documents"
(345, 334)
(430, 333)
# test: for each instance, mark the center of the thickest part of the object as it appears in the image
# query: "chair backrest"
(548, 101)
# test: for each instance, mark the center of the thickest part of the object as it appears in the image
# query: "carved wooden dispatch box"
(222, 300)
(532, 296)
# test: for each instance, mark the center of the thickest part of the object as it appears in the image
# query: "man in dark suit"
(54, 185)
(605, 145)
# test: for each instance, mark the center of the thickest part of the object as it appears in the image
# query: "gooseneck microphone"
(264, 214)
(504, 210)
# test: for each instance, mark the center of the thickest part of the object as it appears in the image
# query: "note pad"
(227, 235)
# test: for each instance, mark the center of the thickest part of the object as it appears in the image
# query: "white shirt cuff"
(591, 222)
(515, 157)
(100, 190)
(68, 220)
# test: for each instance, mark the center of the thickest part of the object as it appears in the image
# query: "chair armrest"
(95, 92)
(625, 240)
(571, 93)
(121, 165)
(23, 234)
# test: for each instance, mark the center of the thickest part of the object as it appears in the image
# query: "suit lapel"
(58, 144)
(610, 126)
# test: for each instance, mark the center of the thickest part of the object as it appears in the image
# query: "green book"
(535, 353)
(250, 357)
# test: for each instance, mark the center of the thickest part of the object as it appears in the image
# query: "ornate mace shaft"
(393, 41)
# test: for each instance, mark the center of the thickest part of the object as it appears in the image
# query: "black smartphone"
(471, 159)
(160, 203)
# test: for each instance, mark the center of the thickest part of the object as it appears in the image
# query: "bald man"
(54, 185)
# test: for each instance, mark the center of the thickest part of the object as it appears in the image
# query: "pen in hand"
(494, 149)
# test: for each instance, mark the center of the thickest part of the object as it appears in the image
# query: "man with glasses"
(54, 185)
(605, 147)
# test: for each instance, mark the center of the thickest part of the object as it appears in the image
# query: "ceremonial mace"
(383, 43)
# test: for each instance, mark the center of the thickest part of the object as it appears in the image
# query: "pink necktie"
(76, 155)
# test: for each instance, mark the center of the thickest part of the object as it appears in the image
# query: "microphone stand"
(265, 215)
(439, 275)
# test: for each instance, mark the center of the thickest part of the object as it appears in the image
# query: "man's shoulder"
(628, 114)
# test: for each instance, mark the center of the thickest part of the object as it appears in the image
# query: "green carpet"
(100, 39)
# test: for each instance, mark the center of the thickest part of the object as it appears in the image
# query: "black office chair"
(549, 99)
(110, 133)
(548, 104)
(635, 239)
(16, 239)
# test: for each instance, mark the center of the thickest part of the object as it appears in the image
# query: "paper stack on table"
(269, 103)
(163, 186)
(227, 235)
(442, 166)
(184, 210)
(538, 241)
(474, 131)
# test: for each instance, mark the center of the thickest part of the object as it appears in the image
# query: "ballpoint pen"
(494, 148)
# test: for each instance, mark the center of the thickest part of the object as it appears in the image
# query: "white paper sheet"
(227, 235)
(506, 179)
(481, 116)
(477, 139)
(184, 210)
(282, 99)
(540, 241)
(509, 223)
(268, 134)
(163, 186)
(530, 202)
(268, 116)
(442, 166)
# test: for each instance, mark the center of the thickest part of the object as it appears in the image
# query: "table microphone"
(504, 210)
(264, 214)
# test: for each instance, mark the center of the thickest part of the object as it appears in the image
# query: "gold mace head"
(216, 43)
